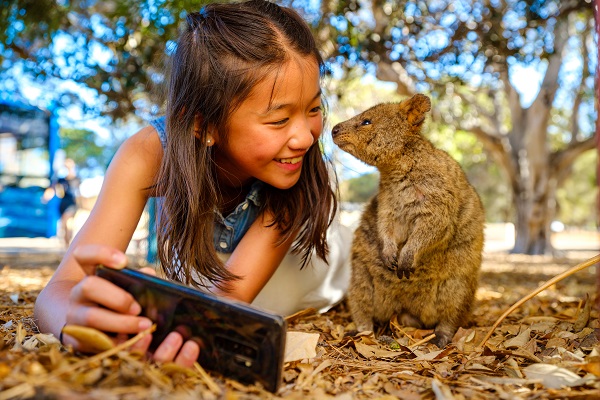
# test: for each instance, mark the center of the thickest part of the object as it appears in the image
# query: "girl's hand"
(98, 303)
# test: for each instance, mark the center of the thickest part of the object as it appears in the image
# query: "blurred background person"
(67, 188)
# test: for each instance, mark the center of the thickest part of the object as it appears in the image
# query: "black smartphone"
(236, 339)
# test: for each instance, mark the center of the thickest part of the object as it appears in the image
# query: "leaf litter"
(548, 347)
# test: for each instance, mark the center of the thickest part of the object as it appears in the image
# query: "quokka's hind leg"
(361, 291)
(407, 319)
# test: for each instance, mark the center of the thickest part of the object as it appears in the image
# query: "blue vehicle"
(28, 143)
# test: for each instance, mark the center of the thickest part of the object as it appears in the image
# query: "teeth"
(294, 160)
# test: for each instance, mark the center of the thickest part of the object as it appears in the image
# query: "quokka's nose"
(335, 130)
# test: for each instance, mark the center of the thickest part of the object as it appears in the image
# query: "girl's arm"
(255, 259)
(74, 294)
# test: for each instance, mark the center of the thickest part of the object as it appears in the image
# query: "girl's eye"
(316, 109)
(366, 122)
(280, 122)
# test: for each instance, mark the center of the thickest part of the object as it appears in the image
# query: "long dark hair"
(222, 53)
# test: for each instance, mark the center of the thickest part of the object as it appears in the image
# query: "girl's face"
(273, 128)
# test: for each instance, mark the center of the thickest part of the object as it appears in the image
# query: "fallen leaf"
(300, 345)
(584, 315)
(92, 338)
(441, 391)
(433, 355)
(518, 341)
(369, 351)
(46, 338)
(592, 365)
(552, 376)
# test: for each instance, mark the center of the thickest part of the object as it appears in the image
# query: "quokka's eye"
(366, 122)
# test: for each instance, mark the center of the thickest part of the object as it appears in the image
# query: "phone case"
(236, 339)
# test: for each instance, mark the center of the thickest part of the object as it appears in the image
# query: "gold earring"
(208, 141)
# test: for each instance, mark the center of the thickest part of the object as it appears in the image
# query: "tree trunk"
(533, 219)
(521, 146)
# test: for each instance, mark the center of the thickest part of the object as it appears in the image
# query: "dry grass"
(547, 348)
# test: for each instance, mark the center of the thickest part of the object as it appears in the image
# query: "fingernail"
(145, 324)
(119, 259)
(135, 309)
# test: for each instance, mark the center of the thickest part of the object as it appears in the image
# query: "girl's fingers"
(90, 255)
(188, 354)
(93, 289)
(142, 345)
(106, 320)
(169, 348)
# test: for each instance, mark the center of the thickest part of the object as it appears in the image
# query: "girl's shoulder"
(138, 159)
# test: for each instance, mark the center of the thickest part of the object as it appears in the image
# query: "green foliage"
(577, 198)
(486, 177)
(114, 47)
(80, 145)
(454, 50)
(359, 189)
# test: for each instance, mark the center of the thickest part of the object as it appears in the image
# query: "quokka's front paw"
(402, 273)
(405, 268)
(389, 261)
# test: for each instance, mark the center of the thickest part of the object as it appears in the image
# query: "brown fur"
(417, 250)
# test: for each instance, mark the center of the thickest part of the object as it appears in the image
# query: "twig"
(300, 314)
(543, 287)
(395, 325)
(21, 389)
(212, 386)
(424, 340)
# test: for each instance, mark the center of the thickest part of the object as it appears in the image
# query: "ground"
(546, 348)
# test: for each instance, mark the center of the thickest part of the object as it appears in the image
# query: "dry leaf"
(338, 370)
(584, 315)
(30, 344)
(90, 337)
(592, 365)
(441, 391)
(552, 376)
(518, 341)
(369, 351)
(20, 335)
(300, 346)
(46, 338)
(433, 355)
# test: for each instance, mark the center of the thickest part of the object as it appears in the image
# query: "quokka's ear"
(415, 108)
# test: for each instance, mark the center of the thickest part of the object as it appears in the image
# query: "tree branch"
(580, 91)
(545, 97)
(562, 159)
(394, 72)
(514, 102)
(499, 149)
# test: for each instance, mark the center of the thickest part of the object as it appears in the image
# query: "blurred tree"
(114, 47)
(80, 145)
(464, 52)
(578, 195)
(359, 94)
(359, 189)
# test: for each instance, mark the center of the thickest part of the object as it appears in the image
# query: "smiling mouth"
(294, 160)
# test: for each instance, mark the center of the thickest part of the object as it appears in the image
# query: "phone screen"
(236, 339)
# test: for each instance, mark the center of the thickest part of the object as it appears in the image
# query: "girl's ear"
(210, 140)
(197, 125)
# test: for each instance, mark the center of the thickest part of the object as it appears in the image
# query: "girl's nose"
(302, 136)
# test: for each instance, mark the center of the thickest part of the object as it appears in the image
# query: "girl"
(239, 171)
